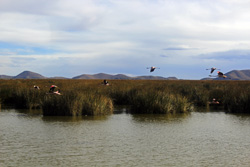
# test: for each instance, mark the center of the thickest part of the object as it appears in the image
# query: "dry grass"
(89, 97)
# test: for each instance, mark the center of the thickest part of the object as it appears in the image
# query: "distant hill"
(101, 76)
(33, 75)
(120, 76)
(234, 75)
(29, 75)
(239, 74)
(207, 78)
(5, 77)
(58, 78)
(155, 78)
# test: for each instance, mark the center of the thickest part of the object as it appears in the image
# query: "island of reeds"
(90, 97)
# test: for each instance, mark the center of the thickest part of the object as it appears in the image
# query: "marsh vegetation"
(89, 97)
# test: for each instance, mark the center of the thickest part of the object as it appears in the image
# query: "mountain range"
(33, 75)
(121, 76)
(234, 75)
(239, 74)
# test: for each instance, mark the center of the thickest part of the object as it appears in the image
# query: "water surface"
(28, 139)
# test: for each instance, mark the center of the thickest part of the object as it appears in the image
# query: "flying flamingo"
(212, 69)
(220, 75)
(152, 68)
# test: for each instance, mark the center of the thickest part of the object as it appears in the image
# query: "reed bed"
(159, 102)
(89, 97)
(237, 100)
(77, 104)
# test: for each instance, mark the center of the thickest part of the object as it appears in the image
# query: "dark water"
(28, 139)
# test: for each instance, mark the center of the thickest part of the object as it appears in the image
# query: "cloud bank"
(67, 38)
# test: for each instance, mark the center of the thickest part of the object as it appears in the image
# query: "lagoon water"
(28, 139)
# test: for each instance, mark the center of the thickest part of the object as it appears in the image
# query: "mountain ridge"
(120, 76)
(239, 74)
(33, 75)
(232, 75)
(29, 75)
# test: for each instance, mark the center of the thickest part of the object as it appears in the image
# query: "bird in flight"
(220, 75)
(212, 69)
(152, 68)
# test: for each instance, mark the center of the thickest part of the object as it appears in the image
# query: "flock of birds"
(152, 69)
(219, 74)
(51, 89)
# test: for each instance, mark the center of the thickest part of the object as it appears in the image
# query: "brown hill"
(120, 76)
(94, 76)
(155, 78)
(101, 76)
(33, 75)
(239, 74)
(234, 75)
(59, 78)
(5, 77)
(29, 75)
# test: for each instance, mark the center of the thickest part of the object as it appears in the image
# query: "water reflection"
(31, 112)
(73, 118)
(120, 109)
(210, 109)
(193, 139)
(160, 118)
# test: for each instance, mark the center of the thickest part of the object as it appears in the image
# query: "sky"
(73, 37)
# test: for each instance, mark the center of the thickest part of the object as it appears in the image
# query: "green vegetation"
(89, 97)
(76, 104)
(158, 102)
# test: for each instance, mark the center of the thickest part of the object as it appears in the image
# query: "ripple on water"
(196, 139)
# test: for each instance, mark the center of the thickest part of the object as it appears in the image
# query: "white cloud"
(170, 32)
(24, 29)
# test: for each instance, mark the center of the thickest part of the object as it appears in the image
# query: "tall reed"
(158, 102)
(97, 105)
(238, 100)
(28, 98)
(89, 97)
(60, 105)
(76, 104)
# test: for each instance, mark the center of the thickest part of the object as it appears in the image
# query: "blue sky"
(72, 37)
